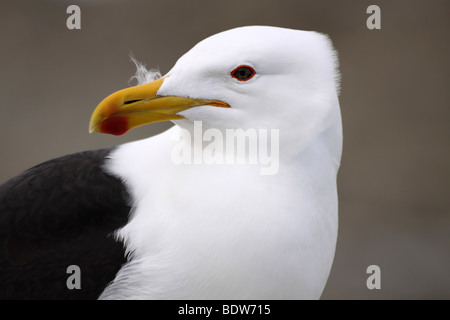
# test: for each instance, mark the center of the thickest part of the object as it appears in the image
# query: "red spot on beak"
(116, 125)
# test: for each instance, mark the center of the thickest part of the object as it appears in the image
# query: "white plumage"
(225, 231)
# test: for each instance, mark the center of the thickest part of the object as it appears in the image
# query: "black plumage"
(60, 213)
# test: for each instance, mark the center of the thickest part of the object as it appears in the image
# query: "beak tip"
(92, 128)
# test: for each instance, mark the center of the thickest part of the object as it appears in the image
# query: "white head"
(292, 85)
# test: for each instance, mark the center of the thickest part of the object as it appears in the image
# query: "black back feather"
(60, 213)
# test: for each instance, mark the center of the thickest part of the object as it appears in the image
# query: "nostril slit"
(130, 101)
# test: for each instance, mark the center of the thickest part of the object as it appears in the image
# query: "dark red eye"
(243, 73)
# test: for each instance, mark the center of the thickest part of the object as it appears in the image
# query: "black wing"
(57, 214)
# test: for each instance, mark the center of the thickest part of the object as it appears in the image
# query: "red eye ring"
(243, 73)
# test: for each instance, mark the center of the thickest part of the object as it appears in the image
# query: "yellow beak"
(132, 107)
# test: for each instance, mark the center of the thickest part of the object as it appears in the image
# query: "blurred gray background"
(394, 180)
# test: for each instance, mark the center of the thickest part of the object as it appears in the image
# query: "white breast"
(224, 231)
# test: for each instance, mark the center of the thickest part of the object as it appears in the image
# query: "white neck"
(226, 231)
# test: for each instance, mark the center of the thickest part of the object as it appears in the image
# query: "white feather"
(143, 75)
